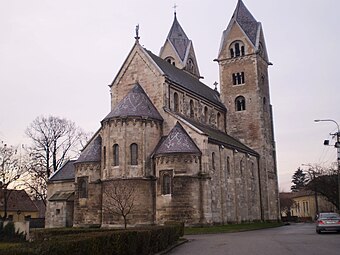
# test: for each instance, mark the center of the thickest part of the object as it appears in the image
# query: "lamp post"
(337, 146)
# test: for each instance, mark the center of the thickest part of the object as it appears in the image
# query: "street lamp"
(337, 146)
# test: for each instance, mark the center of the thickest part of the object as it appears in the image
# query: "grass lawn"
(230, 228)
(4, 245)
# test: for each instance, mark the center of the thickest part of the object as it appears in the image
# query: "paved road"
(296, 239)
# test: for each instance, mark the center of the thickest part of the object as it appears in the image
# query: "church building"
(190, 152)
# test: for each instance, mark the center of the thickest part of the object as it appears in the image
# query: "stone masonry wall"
(143, 202)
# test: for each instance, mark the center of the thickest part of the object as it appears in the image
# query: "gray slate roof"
(62, 196)
(178, 141)
(135, 103)
(219, 137)
(66, 172)
(186, 80)
(246, 20)
(178, 38)
(92, 152)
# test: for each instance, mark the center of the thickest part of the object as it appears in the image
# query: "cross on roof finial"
(137, 33)
(175, 7)
(215, 84)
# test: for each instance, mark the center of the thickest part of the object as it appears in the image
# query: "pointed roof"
(178, 38)
(246, 20)
(92, 151)
(137, 104)
(178, 141)
(66, 172)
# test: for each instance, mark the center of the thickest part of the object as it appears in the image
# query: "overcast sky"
(57, 58)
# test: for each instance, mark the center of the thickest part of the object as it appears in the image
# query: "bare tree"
(10, 172)
(286, 203)
(34, 180)
(119, 198)
(54, 140)
(326, 184)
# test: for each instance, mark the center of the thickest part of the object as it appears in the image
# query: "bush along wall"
(125, 242)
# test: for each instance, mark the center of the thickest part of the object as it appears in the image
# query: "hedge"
(129, 242)
(75, 241)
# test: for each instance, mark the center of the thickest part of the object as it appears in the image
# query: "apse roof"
(178, 38)
(246, 20)
(186, 80)
(66, 172)
(177, 141)
(135, 103)
(92, 152)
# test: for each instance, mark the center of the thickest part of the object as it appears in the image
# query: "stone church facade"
(193, 154)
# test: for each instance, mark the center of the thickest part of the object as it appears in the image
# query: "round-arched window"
(237, 49)
(240, 103)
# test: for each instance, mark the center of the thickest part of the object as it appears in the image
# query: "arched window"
(213, 160)
(134, 154)
(192, 114)
(170, 60)
(240, 103)
(241, 167)
(206, 114)
(190, 65)
(218, 120)
(176, 102)
(228, 165)
(104, 156)
(237, 49)
(82, 187)
(166, 183)
(252, 169)
(116, 155)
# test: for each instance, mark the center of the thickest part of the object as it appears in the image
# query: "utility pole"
(337, 146)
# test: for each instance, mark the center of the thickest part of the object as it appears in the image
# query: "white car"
(328, 222)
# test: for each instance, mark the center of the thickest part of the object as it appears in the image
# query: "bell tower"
(178, 50)
(243, 67)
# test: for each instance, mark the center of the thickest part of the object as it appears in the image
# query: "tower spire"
(178, 49)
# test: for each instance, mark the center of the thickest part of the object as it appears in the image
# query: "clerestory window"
(192, 109)
(206, 117)
(176, 102)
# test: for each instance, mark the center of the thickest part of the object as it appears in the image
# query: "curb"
(178, 243)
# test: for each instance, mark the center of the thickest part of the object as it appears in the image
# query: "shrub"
(123, 242)
(8, 233)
